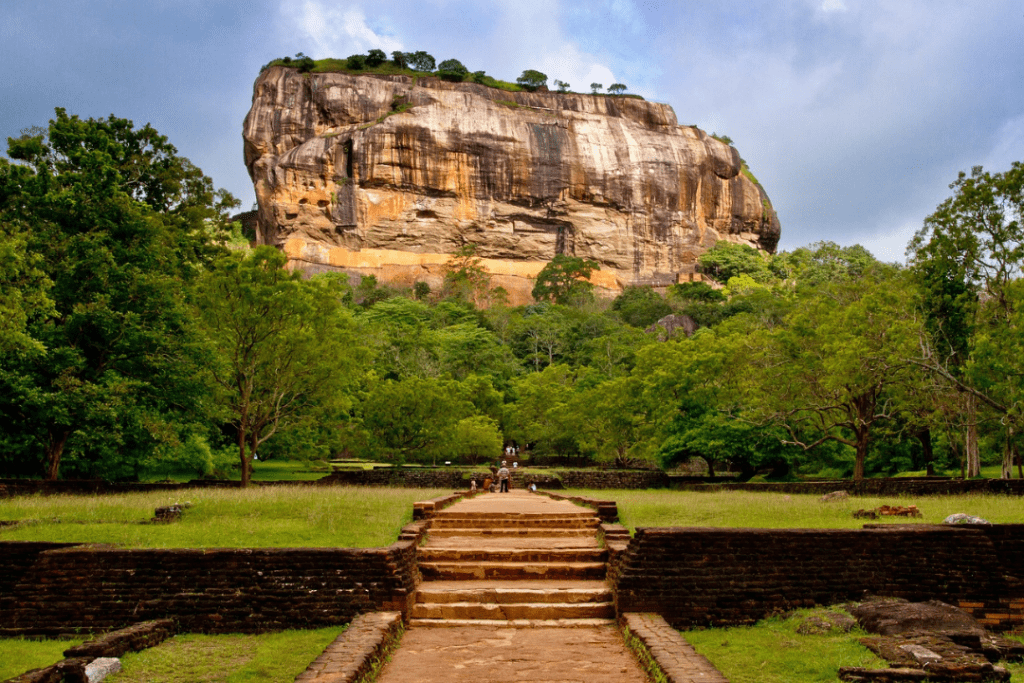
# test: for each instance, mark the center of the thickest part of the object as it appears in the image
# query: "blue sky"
(854, 114)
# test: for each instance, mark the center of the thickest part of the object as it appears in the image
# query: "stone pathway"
(515, 590)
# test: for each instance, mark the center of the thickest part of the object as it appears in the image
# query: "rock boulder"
(389, 175)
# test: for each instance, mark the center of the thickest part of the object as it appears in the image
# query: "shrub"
(356, 62)
(375, 58)
(480, 77)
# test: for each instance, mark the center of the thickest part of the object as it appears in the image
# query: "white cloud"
(334, 32)
(833, 6)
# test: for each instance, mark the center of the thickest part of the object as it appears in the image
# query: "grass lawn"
(273, 470)
(279, 516)
(773, 652)
(660, 508)
(268, 657)
(18, 655)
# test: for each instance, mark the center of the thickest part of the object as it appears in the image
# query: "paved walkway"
(515, 591)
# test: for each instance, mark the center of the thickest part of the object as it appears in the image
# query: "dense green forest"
(139, 332)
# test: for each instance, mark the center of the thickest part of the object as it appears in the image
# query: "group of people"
(502, 476)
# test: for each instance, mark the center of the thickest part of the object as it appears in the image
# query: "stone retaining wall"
(699, 576)
(210, 590)
(895, 486)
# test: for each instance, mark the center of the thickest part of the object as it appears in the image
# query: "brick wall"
(211, 590)
(17, 558)
(896, 486)
(696, 577)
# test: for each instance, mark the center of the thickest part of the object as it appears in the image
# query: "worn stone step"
(522, 531)
(566, 591)
(474, 555)
(512, 571)
(513, 623)
(533, 542)
(456, 514)
(513, 523)
(515, 610)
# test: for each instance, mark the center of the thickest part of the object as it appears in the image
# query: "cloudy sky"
(855, 115)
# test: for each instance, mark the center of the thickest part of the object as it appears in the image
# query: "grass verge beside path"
(738, 509)
(266, 658)
(257, 517)
(18, 655)
(773, 652)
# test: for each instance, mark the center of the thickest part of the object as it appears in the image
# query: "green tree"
(532, 80)
(595, 88)
(376, 58)
(108, 224)
(355, 62)
(285, 346)
(562, 86)
(727, 260)
(640, 306)
(420, 61)
(413, 419)
(617, 88)
(476, 439)
(465, 277)
(824, 374)
(399, 59)
(452, 70)
(968, 257)
(565, 280)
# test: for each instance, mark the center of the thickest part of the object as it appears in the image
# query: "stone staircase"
(516, 569)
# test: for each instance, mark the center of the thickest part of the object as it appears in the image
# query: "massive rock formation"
(388, 175)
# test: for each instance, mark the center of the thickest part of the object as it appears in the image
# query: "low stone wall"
(698, 577)
(210, 590)
(895, 486)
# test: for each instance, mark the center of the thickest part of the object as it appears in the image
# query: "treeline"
(420, 62)
(133, 340)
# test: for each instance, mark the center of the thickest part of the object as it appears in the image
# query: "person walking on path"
(503, 477)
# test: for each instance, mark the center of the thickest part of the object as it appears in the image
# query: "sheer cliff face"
(387, 176)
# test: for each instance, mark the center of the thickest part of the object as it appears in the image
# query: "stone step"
(536, 531)
(513, 623)
(563, 592)
(513, 523)
(455, 514)
(532, 555)
(534, 542)
(512, 571)
(517, 610)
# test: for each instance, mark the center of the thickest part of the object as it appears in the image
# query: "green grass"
(739, 509)
(233, 658)
(279, 516)
(273, 470)
(773, 652)
(18, 655)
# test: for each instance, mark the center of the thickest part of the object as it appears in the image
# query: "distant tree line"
(449, 69)
(133, 342)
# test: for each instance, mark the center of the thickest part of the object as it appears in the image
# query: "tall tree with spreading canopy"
(109, 223)
(284, 346)
(968, 258)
